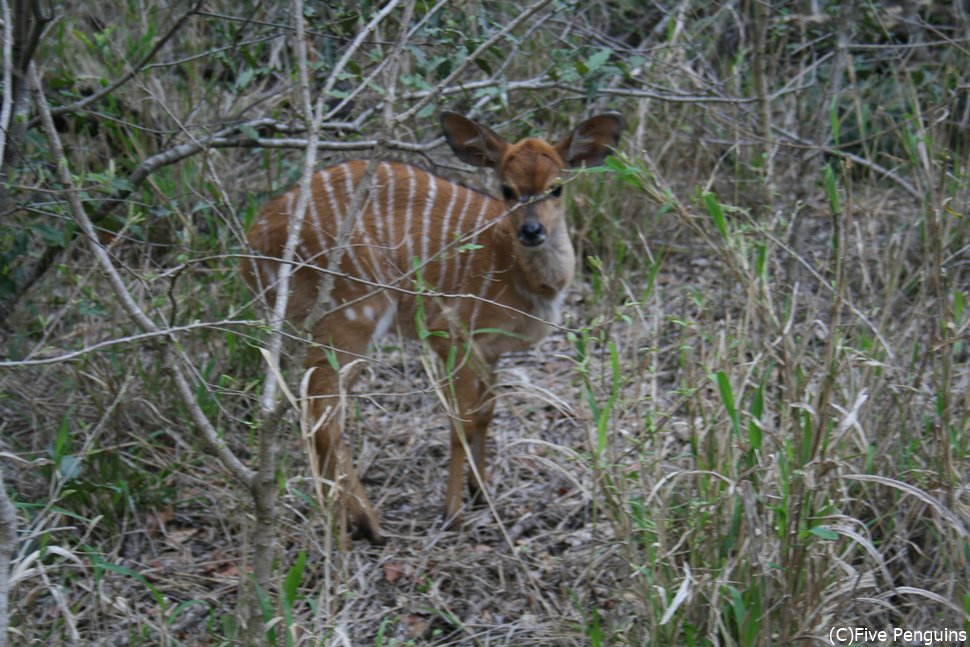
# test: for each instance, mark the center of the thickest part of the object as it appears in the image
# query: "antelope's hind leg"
(344, 341)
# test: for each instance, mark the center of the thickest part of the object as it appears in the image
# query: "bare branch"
(130, 339)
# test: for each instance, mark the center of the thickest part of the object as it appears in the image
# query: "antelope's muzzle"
(531, 232)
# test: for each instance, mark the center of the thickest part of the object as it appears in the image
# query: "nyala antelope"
(492, 273)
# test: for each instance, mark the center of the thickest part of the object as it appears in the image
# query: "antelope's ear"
(591, 140)
(473, 143)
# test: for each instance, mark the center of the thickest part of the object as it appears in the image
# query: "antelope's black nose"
(532, 233)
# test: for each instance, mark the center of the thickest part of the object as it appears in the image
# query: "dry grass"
(754, 430)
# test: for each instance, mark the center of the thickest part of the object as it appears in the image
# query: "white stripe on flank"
(375, 192)
(358, 226)
(318, 229)
(351, 253)
(479, 221)
(384, 323)
(289, 205)
(349, 198)
(331, 197)
(390, 216)
(469, 256)
(451, 205)
(426, 216)
(378, 241)
(338, 216)
(408, 214)
(449, 234)
(374, 261)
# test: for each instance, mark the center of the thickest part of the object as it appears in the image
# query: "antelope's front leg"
(468, 429)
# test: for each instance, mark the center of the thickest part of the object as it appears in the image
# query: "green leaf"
(597, 60)
(757, 408)
(483, 65)
(292, 581)
(69, 467)
(593, 629)
(716, 211)
(51, 234)
(832, 189)
(727, 397)
(245, 77)
(249, 132)
(823, 532)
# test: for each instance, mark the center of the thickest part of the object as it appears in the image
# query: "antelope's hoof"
(453, 521)
(476, 494)
(370, 530)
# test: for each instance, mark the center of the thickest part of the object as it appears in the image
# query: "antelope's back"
(406, 214)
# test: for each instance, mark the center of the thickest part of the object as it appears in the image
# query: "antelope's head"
(530, 171)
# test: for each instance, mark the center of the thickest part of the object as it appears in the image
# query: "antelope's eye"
(508, 193)
(556, 191)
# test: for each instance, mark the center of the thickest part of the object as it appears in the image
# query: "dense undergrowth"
(751, 429)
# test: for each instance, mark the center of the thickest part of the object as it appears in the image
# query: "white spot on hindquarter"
(351, 314)
(369, 312)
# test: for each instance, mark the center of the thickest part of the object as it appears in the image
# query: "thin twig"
(129, 339)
